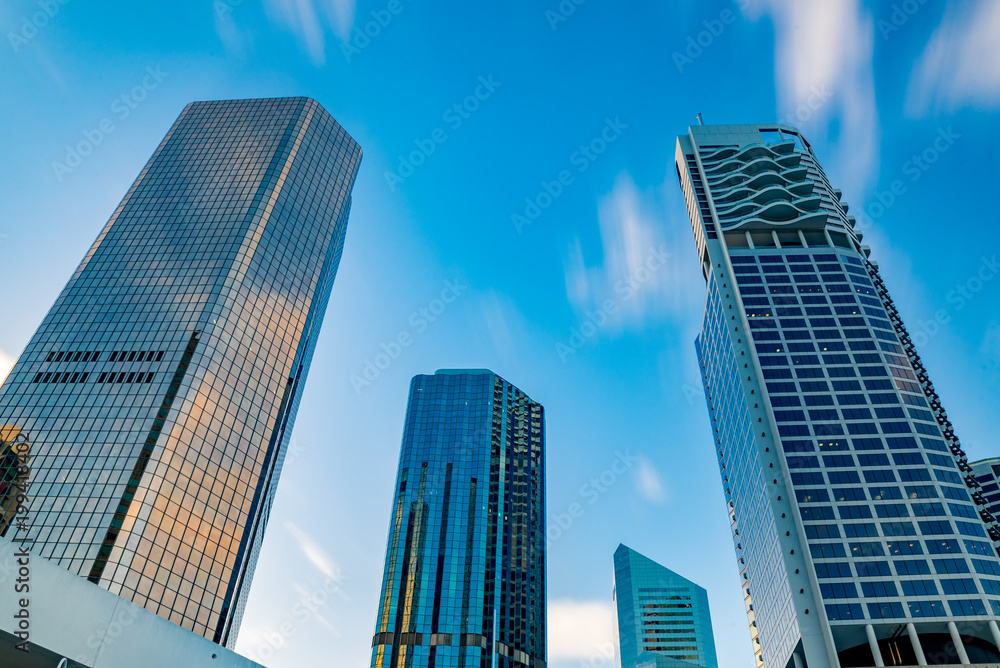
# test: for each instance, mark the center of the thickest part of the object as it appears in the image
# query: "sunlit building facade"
(464, 578)
(661, 620)
(160, 390)
(862, 536)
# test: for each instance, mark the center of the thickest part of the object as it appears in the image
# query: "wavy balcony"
(755, 166)
(758, 197)
(757, 163)
(775, 211)
(803, 220)
(727, 153)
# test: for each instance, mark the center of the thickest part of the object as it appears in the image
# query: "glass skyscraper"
(661, 619)
(464, 579)
(861, 535)
(160, 390)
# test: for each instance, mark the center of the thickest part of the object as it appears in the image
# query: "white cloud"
(825, 82)
(308, 19)
(639, 273)
(581, 630)
(316, 555)
(961, 63)
(648, 482)
(6, 364)
(236, 41)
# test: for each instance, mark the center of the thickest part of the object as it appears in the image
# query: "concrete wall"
(72, 618)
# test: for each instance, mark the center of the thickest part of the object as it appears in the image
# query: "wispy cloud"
(638, 272)
(648, 482)
(6, 364)
(236, 40)
(579, 629)
(309, 20)
(960, 65)
(825, 82)
(316, 555)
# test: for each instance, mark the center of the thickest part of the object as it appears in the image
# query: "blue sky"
(575, 113)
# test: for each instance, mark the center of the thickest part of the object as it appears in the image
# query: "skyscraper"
(661, 619)
(464, 579)
(860, 533)
(160, 390)
(987, 472)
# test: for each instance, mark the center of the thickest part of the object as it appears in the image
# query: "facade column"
(873, 644)
(797, 658)
(996, 633)
(911, 630)
(963, 656)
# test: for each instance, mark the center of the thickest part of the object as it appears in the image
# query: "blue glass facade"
(464, 579)
(661, 619)
(860, 533)
(987, 472)
(160, 390)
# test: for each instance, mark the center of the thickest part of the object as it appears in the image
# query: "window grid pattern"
(231, 233)
(774, 626)
(873, 494)
(464, 578)
(661, 618)
(876, 486)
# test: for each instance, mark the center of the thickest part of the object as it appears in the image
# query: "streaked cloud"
(581, 630)
(310, 19)
(316, 555)
(825, 82)
(648, 482)
(639, 272)
(6, 364)
(960, 65)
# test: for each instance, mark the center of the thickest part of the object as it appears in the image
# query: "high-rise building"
(987, 472)
(14, 454)
(464, 579)
(661, 619)
(860, 533)
(160, 390)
